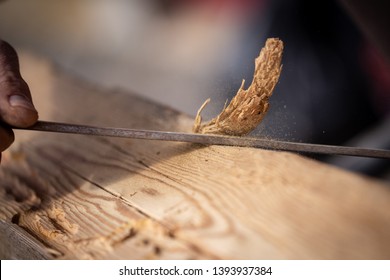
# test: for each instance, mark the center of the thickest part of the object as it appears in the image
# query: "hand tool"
(209, 139)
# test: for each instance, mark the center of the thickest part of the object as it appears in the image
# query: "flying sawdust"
(247, 109)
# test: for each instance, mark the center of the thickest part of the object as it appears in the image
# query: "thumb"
(16, 106)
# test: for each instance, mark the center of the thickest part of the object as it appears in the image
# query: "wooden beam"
(80, 197)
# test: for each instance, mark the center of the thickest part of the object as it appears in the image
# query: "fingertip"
(18, 115)
(18, 100)
(16, 105)
(21, 112)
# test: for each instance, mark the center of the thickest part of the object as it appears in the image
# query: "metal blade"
(209, 139)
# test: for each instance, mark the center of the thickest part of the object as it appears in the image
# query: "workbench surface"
(83, 197)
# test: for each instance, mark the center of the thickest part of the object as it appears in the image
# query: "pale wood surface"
(70, 196)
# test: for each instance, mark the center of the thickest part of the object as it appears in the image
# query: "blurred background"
(334, 88)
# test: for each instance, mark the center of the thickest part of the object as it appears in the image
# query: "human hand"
(16, 107)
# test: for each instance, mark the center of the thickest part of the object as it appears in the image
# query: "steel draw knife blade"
(209, 139)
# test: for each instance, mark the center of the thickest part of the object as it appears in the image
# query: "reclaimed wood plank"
(98, 198)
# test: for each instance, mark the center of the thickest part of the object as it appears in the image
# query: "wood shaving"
(247, 109)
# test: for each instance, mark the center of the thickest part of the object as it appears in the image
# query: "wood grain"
(83, 197)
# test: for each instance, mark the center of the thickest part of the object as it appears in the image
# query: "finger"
(6, 138)
(16, 106)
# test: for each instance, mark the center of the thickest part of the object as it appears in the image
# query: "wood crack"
(170, 233)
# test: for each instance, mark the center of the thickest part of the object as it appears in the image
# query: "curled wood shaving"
(248, 107)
